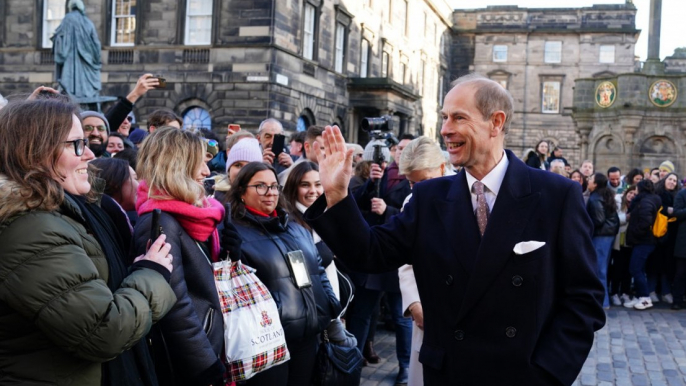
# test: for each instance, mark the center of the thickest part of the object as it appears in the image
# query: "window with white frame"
(340, 47)
(403, 72)
(607, 54)
(420, 77)
(390, 11)
(123, 22)
(198, 31)
(364, 58)
(553, 52)
(309, 29)
(499, 53)
(384, 65)
(53, 13)
(403, 16)
(550, 103)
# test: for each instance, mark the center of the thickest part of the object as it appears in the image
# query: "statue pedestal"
(653, 67)
(94, 104)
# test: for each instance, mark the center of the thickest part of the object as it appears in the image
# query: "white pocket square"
(527, 246)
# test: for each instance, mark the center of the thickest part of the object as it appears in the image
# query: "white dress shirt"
(492, 182)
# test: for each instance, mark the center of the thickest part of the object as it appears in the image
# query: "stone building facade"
(235, 61)
(537, 54)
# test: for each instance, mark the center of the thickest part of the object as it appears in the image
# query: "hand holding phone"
(278, 145)
(155, 228)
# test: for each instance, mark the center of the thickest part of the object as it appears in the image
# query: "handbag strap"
(350, 297)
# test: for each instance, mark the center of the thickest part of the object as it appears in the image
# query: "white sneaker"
(654, 298)
(625, 298)
(631, 303)
(616, 301)
(643, 303)
(668, 299)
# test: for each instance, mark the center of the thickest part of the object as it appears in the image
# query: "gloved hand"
(337, 333)
(231, 240)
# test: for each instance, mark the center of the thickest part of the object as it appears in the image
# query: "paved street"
(635, 348)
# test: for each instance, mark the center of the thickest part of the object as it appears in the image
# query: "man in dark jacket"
(510, 296)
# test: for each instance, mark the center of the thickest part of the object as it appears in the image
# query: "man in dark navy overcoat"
(502, 252)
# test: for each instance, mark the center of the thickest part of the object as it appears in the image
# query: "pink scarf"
(199, 223)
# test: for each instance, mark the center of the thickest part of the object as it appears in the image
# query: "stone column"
(654, 29)
(653, 65)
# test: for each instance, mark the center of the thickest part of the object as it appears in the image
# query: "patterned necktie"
(482, 210)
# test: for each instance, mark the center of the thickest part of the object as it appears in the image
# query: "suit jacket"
(491, 317)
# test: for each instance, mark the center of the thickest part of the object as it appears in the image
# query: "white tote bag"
(253, 336)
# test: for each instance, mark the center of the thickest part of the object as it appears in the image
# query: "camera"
(372, 124)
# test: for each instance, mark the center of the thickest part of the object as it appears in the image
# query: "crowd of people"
(637, 267)
(88, 294)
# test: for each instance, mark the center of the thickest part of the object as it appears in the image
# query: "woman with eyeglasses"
(286, 259)
(72, 313)
(187, 344)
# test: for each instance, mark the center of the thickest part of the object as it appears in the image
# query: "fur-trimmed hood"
(12, 199)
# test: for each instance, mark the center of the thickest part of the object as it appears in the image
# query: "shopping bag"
(254, 339)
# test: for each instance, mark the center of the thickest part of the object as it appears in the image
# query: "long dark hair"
(115, 172)
(606, 194)
(239, 186)
(633, 173)
(661, 188)
(584, 181)
(290, 190)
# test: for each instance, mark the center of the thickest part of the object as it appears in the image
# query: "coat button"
(510, 332)
(449, 280)
(459, 335)
(517, 281)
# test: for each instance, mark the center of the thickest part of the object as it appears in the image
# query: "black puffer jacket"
(642, 214)
(189, 341)
(604, 223)
(303, 312)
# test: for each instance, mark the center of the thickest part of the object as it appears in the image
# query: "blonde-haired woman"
(421, 160)
(188, 344)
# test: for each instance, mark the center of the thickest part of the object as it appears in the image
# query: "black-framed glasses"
(263, 189)
(128, 118)
(79, 145)
(89, 128)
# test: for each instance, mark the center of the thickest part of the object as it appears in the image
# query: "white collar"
(302, 208)
(494, 179)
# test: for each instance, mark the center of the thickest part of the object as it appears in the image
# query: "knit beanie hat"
(96, 114)
(247, 150)
(137, 135)
(368, 154)
(667, 166)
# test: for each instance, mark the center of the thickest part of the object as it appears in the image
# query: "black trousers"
(619, 275)
(679, 284)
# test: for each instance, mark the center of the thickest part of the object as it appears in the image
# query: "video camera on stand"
(379, 128)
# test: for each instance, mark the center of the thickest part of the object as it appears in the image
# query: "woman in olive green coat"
(70, 311)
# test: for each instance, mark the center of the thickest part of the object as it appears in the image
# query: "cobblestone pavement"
(635, 348)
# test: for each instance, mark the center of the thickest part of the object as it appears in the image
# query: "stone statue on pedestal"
(76, 47)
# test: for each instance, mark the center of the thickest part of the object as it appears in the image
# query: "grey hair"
(268, 120)
(557, 161)
(420, 154)
(489, 97)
